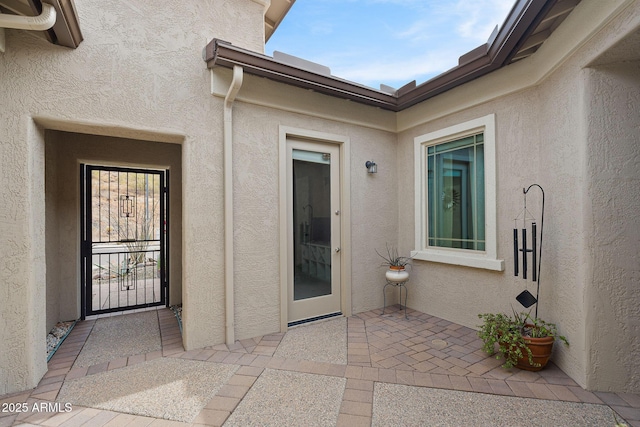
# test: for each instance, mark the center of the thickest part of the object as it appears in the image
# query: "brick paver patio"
(423, 351)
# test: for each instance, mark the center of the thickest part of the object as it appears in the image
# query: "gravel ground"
(416, 406)
(57, 334)
(136, 333)
(319, 342)
(168, 388)
(281, 398)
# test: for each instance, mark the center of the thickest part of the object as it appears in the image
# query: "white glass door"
(313, 192)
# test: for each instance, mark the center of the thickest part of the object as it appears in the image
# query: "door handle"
(337, 250)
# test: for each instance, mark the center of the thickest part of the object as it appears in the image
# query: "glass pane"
(431, 190)
(311, 224)
(480, 221)
(447, 146)
(456, 195)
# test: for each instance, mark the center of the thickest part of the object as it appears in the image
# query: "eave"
(527, 26)
(274, 15)
(224, 54)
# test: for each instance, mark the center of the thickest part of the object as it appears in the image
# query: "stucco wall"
(460, 293)
(562, 160)
(138, 73)
(65, 151)
(22, 249)
(144, 79)
(52, 241)
(528, 151)
(256, 197)
(572, 134)
(611, 208)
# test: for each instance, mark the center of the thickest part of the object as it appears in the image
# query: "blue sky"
(387, 41)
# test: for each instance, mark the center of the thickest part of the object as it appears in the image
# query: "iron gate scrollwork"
(124, 238)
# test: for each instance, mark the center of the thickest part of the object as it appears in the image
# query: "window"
(455, 187)
(455, 195)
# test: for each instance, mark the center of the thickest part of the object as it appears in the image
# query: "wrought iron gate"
(124, 238)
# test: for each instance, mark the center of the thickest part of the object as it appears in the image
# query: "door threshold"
(314, 319)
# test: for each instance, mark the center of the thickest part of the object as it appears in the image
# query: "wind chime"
(521, 249)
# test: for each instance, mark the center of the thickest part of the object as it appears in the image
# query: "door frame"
(326, 305)
(86, 219)
(343, 142)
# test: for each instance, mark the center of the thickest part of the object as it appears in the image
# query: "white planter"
(397, 276)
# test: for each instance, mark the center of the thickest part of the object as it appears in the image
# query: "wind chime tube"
(534, 251)
(515, 252)
(524, 253)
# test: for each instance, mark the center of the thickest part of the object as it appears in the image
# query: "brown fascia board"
(520, 23)
(524, 17)
(67, 27)
(221, 53)
(73, 24)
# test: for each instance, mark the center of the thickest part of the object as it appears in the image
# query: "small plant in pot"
(523, 341)
(396, 265)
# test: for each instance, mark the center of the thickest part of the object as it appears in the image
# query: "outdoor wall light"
(371, 166)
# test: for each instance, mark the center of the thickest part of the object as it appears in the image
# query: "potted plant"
(396, 265)
(522, 341)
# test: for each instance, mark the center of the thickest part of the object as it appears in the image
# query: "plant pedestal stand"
(399, 285)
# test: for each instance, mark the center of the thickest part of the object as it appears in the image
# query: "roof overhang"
(274, 15)
(528, 25)
(221, 53)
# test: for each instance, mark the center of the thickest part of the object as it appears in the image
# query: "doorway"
(124, 238)
(314, 231)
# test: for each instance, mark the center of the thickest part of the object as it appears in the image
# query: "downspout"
(236, 83)
(42, 22)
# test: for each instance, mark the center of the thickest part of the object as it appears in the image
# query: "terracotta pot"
(541, 349)
(396, 274)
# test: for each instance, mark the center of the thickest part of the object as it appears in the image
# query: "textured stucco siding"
(460, 293)
(139, 74)
(139, 80)
(613, 241)
(22, 252)
(574, 135)
(256, 197)
(52, 239)
(65, 152)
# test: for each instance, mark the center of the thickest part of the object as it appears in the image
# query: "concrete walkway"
(368, 370)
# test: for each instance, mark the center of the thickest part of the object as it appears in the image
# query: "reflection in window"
(456, 196)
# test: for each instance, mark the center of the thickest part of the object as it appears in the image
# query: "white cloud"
(419, 30)
(393, 72)
(465, 23)
(390, 41)
(321, 28)
(477, 19)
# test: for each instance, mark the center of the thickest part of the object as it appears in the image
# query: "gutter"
(498, 52)
(229, 288)
(222, 53)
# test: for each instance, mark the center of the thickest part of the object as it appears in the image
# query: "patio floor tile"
(420, 352)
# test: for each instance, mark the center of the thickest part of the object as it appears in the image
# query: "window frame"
(486, 259)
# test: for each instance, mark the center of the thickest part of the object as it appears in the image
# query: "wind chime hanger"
(524, 214)
(525, 297)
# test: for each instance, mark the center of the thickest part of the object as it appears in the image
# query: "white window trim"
(487, 259)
